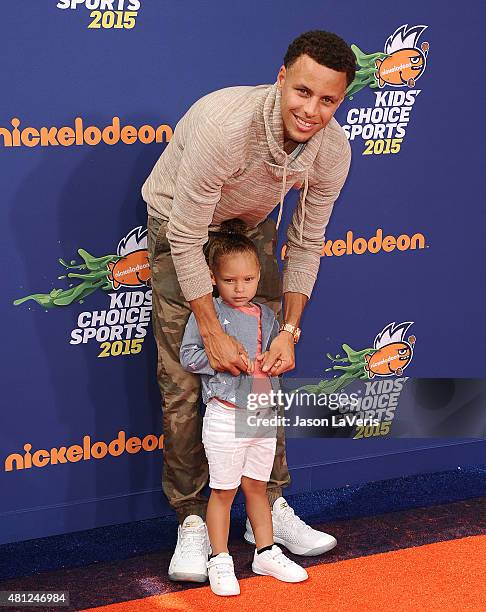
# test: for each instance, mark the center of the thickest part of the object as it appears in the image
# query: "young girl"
(232, 458)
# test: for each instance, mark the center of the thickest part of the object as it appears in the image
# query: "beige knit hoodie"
(226, 160)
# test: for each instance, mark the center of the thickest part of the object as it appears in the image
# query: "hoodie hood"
(270, 138)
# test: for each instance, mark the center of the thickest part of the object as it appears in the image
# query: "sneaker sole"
(306, 552)
(225, 594)
(297, 550)
(262, 572)
(187, 577)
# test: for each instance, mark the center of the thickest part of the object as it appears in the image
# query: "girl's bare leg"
(258, 510)
(218, 518)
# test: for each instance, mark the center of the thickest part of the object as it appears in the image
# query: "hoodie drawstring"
(282, 196)
(304, 195)
(282, 192)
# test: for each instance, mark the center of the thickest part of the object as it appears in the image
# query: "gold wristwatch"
(292, 329)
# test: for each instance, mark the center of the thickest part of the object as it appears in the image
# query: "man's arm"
(302, 258)
(280, 357)
(294, 304)
(224, 352)
(206, 164)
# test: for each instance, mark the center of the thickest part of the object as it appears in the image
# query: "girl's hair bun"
(233, 226)
(231, 238)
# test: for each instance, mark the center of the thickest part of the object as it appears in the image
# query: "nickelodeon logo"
(88, 450)
(375, 244)
(79, 135)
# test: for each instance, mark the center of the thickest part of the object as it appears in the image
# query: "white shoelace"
(193, 540)
(289, 515)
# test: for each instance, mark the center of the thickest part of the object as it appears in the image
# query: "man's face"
(311, 94)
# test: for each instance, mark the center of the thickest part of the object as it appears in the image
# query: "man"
(235, 154)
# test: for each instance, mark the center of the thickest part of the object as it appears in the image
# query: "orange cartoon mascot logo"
(133, 268)
(406, 61)
(393, 353)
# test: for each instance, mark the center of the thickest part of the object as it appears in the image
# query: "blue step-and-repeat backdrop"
(92, 92)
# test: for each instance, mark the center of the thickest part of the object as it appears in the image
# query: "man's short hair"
(325, 48)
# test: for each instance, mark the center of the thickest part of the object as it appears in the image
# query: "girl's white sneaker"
(274, 563)
(222, 575)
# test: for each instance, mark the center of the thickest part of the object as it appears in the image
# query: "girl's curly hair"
(230, 239)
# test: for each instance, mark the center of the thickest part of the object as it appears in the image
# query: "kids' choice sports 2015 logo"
(393, 75)
(106, 14)
(121, 328)
(381, 368)
(390, 354)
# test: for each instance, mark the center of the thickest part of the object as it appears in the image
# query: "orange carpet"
(448, 575)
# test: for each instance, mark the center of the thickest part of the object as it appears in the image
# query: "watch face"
(295, 331)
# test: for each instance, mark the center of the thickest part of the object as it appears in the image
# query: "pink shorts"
(229, 457)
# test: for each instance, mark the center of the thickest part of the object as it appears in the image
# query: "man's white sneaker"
(274, 563)
(189, 561)
(222, 575)
(293, 533)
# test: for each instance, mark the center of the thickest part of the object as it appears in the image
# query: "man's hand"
(226, 354)
(280, 357)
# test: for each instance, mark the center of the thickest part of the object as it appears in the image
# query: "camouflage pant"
(185, 470)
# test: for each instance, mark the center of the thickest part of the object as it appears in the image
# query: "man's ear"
(282, 73)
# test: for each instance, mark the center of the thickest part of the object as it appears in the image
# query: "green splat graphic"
(95, 278)
(365, 75)
(352, 368)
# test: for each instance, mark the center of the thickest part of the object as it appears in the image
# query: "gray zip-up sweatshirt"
(226, 160)
(244, 328)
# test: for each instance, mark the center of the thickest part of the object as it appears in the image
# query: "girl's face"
(236, 276)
